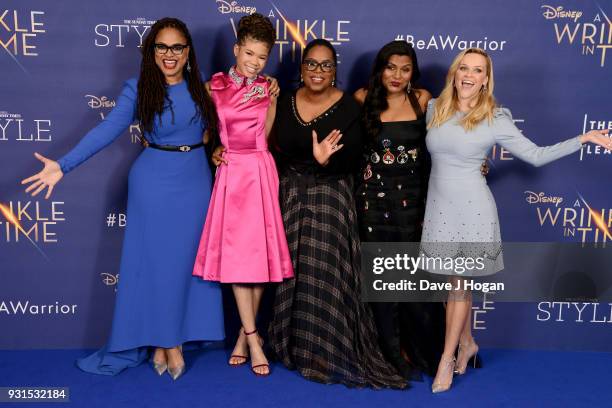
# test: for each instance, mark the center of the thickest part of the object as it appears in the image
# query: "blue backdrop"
(64, 62)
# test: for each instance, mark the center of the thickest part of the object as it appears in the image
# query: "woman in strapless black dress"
(390, 199)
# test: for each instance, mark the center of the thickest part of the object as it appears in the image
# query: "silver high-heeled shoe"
(439, 387)
(461, 371)
(160, 368)
(176, 372)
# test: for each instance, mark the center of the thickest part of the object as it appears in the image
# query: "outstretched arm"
(508, 136)
(113, 125)
(95, 140)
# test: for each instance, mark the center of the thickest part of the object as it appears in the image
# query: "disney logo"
(109, 279)
(226, 7)
(551, 13)
(102, 102)
(537, 198)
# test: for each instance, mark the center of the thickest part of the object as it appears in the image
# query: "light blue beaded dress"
(461, 216)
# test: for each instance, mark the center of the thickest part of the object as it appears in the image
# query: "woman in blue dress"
(159, 304)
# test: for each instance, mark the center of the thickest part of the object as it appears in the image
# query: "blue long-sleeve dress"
(158, 301)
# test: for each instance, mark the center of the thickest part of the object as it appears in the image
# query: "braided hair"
(152, 86)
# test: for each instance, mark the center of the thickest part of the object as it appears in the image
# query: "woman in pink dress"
(243, 242)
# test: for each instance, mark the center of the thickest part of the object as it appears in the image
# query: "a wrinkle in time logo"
(13, 126)
(292, 34)
(131, 32)
(103, 105)
(19, 30)
(577, 219)
(592, 32)
(594, 150)
(31, 222)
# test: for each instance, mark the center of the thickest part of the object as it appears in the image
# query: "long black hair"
(152, 86)
(376, 99)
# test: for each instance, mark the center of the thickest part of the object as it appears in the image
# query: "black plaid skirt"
(320, 326)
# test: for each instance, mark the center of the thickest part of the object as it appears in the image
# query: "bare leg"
(241, 349)
(257, 294)
(457, 310)
(245, 300)
(467, 345)
(466, 334)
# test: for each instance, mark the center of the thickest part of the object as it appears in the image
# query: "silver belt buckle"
(184, 148)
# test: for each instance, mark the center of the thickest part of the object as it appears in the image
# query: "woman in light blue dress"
(461, 219)
(159, 304)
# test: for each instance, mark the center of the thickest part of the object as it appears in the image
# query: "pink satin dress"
(243, 240)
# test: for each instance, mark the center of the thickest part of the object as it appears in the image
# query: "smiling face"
(171, 62)
(471, 76)
(397, 73)
(251, 57)
(319, 79)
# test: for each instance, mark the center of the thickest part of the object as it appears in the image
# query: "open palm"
(328, 146)
(47, 177)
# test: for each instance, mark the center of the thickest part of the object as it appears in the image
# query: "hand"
(598, 137)
(273, 89)
(484, 168)
(328, 146)
(47, 177)
(217, 157)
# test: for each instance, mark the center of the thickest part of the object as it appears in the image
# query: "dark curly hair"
(152, 86)
(256, 27)
(376, 99)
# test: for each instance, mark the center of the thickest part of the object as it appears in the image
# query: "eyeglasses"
(177, 49)
(312, 65)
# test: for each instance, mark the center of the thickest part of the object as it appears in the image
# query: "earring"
(409, 87)
(188, 66)
(483, 89)
(334, 82)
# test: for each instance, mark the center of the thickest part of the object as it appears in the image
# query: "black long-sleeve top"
(292, 140)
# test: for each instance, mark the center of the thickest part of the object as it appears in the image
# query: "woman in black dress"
(320, 327)
(391, 199)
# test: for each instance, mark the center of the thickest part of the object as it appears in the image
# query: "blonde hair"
(446, 104)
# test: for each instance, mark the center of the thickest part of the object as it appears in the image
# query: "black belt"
(170, 148)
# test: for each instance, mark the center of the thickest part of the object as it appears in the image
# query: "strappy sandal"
(258, 365)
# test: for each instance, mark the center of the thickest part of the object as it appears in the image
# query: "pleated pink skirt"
(243, 240)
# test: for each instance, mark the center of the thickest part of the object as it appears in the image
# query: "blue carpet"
(509, 379)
